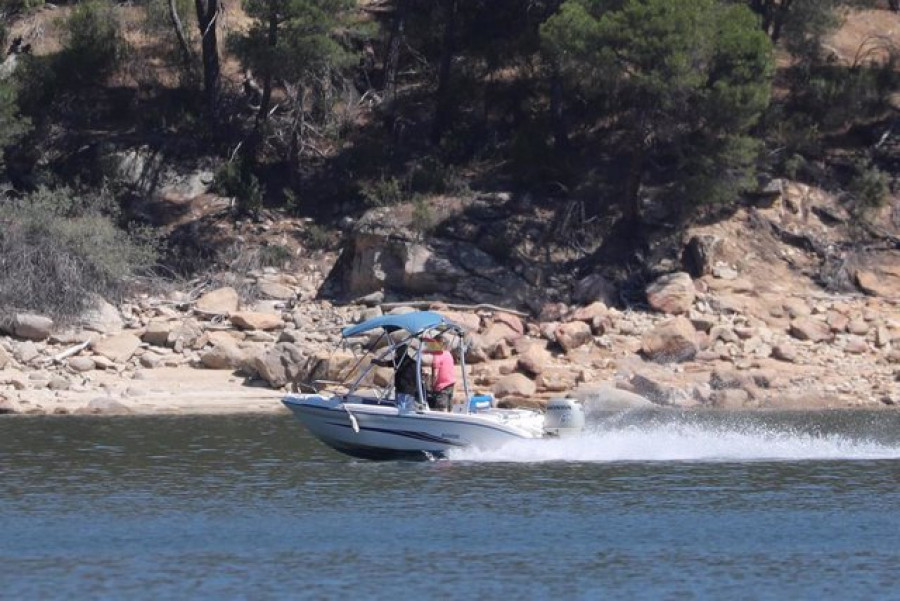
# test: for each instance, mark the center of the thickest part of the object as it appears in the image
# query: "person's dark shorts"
(441, 399)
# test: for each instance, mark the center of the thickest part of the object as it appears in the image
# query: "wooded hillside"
(635, 116)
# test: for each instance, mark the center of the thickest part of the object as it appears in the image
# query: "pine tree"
(680, 82)
(12, 125)
(290, 40)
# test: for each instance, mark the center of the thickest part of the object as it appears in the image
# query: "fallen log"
(72, 350)
(453, 306)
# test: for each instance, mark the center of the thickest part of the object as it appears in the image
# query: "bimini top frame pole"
(416, 324)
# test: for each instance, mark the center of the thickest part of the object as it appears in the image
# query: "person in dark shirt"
(406, 383)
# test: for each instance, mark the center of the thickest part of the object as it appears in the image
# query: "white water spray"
(688, 442)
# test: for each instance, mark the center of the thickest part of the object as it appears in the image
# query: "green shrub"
(12, 125)
(316, 237)
(92, 45)
(431, 176)
(58, 248)
(869, 188)
(275, 255)
(531, 156)
(793, 165)
(423, 220)
(235, 179)
(383, 192)
(834, 97)
(14, 7)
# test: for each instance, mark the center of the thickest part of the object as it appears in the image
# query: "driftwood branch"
(72, 350)
(455, 307)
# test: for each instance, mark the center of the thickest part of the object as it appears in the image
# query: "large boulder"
(105, 406)
(470, 322)
(701, 254)
(809, 328)
(513, 321)
(81, 364)
(656, 387)
(534, 359)
(607, 397)
(102, 317)
(14, 378)
(30, 326)
(157, 332)
(730, 398)
(385, 253)
(284, 363)
(514, 385)
(270, 288)
(147, 170)
(251, 320)
(497, 339)
(672, 341)
(225, 354)
(573, 334)
(595, 288)
(596, 315)
(796, 307)
(553, 312)
(476, 350)
(9, 406)
(335, 366)
(557, 379)
(673, 293)
(187, 334)
(118, 348)
(221, 301)
(26, 351)
(881, 281)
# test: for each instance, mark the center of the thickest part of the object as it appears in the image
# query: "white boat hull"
(362, 428)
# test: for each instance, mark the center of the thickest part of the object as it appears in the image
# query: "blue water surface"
(794, 506)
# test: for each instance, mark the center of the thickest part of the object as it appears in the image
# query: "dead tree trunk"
(392, 63)
(444, 103)
(186, 55)
(272, 41)
(207, 17)
(560, 135)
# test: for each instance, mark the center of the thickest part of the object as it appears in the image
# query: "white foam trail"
(685, 442)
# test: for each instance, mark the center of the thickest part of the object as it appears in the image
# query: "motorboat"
(365, 420)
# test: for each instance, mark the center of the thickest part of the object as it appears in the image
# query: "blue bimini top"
(413, 322)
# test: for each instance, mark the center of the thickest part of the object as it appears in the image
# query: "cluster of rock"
(712, 341)
(732, 323)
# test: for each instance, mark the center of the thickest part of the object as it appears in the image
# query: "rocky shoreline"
(709, 342)
(738, 320)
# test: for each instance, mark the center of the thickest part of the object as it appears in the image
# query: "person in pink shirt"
(443, 375)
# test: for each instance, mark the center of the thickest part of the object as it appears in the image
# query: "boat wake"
(698, 442)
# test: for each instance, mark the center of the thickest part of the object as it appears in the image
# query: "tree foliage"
(679, 82)
(93, 46)
(12, 124)
(291, 41)
(621, 101)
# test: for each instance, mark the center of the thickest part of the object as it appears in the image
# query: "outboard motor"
(564, 417)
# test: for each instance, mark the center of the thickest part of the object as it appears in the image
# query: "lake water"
(652, 506)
